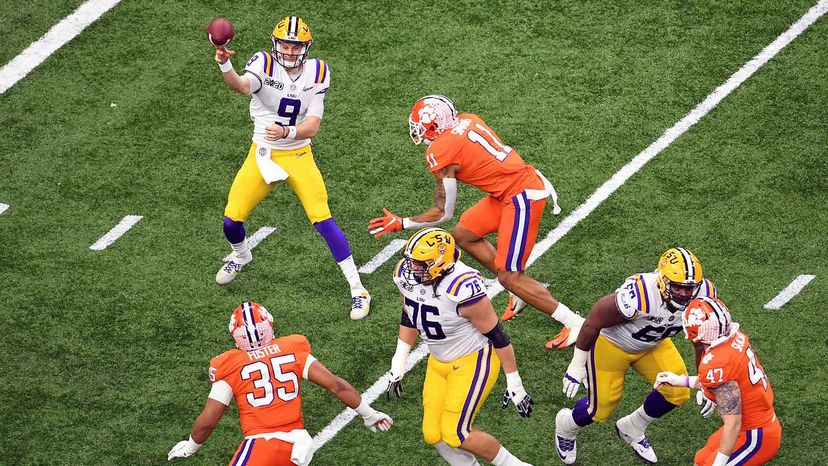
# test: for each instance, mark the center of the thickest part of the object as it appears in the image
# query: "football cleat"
(360, 304)
(565, 442)
(231, 268)
(565, 338)
(635, 438)
(515, 307)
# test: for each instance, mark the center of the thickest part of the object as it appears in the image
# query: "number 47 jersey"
(277, 98)
(434, 311)
(649, 319)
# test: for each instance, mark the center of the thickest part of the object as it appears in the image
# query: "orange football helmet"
(251, 326)
(706, 320)
(430, 117)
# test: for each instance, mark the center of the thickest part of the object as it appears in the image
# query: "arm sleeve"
(221, 392)
(450, 186)
(310, 360)
(316, 107)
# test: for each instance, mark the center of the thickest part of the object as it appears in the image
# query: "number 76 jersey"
(649, 319)
(434, 311)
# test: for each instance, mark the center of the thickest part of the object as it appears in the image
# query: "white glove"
(575, 374)
(707, 406)
(721, 459)
(669, 378)
(374, 419)
(183, 449)
(517, 395)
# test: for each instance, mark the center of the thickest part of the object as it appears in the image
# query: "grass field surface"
(104, 354)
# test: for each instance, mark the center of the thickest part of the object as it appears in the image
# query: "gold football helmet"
(679, 277)
(429, 255)
(291, 31)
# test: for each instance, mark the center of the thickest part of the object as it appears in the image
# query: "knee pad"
(432, 436)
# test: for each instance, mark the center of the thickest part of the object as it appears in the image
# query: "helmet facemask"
(281, 52)
(679, 294)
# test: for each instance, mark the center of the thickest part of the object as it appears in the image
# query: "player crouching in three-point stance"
(445, 301)
(632, 328)
(287, 103)
(462, 147)
(730, 375)
(263, 375)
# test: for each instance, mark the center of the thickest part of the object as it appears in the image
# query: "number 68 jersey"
(649, 319)
(276, 98)
(434, 311)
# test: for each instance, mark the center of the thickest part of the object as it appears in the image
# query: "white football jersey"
(434, 311)
(276, 98)
(650, 322)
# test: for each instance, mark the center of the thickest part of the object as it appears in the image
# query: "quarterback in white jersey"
(287, 94)
(445, 302)
(632, 328)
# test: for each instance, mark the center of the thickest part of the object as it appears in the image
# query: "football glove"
(575, 374)
(183, 449)
(395, 386)
(669, 378)
(378, 420)
(706, 405)
(517, 395)
(384, 225)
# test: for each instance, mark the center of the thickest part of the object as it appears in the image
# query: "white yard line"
(122, 227)
(60, 34)
(383, 256)
(3, 207)
(789, 292)
(254, 240)
(609, 187)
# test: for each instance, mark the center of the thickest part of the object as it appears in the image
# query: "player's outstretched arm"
(340, 388)
(202, 428)
(235, 82)
(482, 315)
(729, 406)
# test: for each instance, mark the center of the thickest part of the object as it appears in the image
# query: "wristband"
(364, 409)
(721, 459)
(291, 132)
(226, 66)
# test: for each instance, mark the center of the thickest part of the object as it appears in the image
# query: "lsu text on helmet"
(679, 277)
(706, 320)
(291, 41)
(430, 117)
(429, 255)
(251, 326)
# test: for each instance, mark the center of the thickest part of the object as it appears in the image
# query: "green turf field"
(104, 354)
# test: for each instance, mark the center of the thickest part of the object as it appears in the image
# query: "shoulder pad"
(633, 297)
(464, 286)
(261, 64)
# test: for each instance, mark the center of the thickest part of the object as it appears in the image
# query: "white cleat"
(565, 442)
(231, 268)
(635, 438)
(360, 304)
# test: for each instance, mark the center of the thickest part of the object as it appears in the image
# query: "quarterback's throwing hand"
(395, 386)
(387, 224)
(222, 54)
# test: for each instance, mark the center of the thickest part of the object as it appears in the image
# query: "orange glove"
(387, 224)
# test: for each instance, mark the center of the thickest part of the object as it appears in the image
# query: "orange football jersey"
(266, 383)
(484, 160)
(734, 359)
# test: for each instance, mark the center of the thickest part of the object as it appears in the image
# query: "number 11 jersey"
(276, 98)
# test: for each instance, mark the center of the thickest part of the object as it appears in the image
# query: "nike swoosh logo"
(307, 89)
(456, 367)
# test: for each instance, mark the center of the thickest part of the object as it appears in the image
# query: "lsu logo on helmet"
(291, 30)
(429, 254)
(430, 117)
(679, 277)
(706, 320)
(251, 326)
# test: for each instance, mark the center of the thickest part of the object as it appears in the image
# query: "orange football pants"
(263, 452)
(753, 447)
(515, 219)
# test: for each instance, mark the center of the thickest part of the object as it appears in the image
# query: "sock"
(456, 456)
(242, 251)
(655, 405)
(580, 413)
(639, 419)
(565, 316)
(234, 231)
(504, 458)
(349, 269)
(333, 235)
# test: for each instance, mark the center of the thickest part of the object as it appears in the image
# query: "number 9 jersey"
(649, 319)
(277, 98)
(433, 311)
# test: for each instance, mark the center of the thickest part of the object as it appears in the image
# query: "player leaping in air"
(287, 102)
(445, 302)
(729, 374)
(462, 147)
(263, 374)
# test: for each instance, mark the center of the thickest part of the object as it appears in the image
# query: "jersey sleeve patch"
(633, 297)
(466, 286)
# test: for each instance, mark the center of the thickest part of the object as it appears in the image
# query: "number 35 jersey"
(649, 319)
(276, 98)
(434, 311)
(265, 384)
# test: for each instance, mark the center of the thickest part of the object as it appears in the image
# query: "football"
(220, 32)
